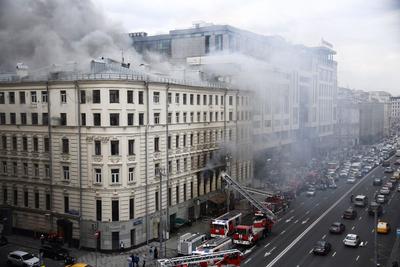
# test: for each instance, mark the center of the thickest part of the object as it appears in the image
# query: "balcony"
(131, 157)
(115, 159)
(97, 158)
(156, 155)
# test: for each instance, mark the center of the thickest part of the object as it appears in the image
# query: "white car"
(22, 258)
(384, 190)
(310, 193)
(352, 240)
(351, 180)
(380, 199)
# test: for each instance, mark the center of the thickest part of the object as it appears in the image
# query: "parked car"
(389, 170)
(54, 252)
(384, 190)
(377, 181)
(351, 180)
(322, 247)
(386, 163)
(350, 214)
(22, 258)
(352, 240)
(337, 228)
(381, 199)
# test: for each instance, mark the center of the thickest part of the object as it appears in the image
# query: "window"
(2, 98)
(97, 175)
(115, 176)
(99, 209)
(115, 147)
(131, 208)
(216, 100)
(177, 98)
(129, 96)
(177, 141)
(25, 143)
(230, 100)
(177, 194)
(191, 99)
(169, 98)
(184, 117)
(184, 140)
(169, 119)
(198, 99)
(22, 97)
(44, 96)
(26, 198)
(131, 174)
(83, 96)
(218, 42)
(36, 200)
(66, 204)
(65, 172)
(207, 44)
(63, 96)
(157, 201)
(222, 99)
(12, 118)
(177, 117)
(141, 97)
(45, 118)
(48, 202)
(191, 117)
(198, 117)
(169, 142)
(23, 118)
(2, 118)
(114, 96)
(169, 166)
(15, 143)
(96, 97)
(47, 171)
(34, 118)
(157, 170)
(204, 116)
(156, 118)
(26, 169)
(191, 139)
(96, 119)
(63, 119)
(131, 147)
(204, 99)
(114, 119)
(141, 118)
(4, 142)
(46, 142)
(83, 119)
(185, 164)
(156, 97)
(184, 99)
(156, 144)
(178, 166)
(35, 144)
(11, 97)
(130, 119)
(210, 99)
(97, 147)
(191, 189)
(36, 169)
(5, 196)
(15, 169)
(33, 97)
(4, 163)
(230, 115)
(211, 116)
(65, 146)
(15, 197)
(169, 197)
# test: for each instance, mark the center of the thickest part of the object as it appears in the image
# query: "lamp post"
(161, 230)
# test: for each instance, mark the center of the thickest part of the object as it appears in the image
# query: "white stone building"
(84, 153)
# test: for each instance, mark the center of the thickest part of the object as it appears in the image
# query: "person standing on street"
(42, 239)
(144, 260)
(155, 253)
(121, 246)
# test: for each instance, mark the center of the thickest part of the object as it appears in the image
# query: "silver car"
(384, 190)
(22, 258)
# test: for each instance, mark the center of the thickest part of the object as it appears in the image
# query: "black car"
(377, 181)
(322, 247)
(54, 252)
(375, 206)
(337, 228)
(386, 164)
(350, 214)
(388, 170)
(3, 241)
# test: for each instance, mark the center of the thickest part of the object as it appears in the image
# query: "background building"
(348, 119)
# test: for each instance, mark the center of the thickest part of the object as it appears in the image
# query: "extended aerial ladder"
(230, 257)
(258, 205)
(258, 191)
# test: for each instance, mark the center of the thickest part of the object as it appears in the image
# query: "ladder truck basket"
(221, 258)
(257, 204)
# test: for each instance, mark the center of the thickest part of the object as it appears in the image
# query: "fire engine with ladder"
(264, 218)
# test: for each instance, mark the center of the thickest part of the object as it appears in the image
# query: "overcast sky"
(365, 33)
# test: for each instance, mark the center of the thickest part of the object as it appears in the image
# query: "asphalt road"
(308, 220)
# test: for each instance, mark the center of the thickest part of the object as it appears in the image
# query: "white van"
(360, 201)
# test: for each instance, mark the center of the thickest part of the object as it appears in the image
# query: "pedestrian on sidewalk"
(121, 246)
(42, 239)
(151, 252)
(155, 253)
(137, 260)
(132, 262)
(144, 260)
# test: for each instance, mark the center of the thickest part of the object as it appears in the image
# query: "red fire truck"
(250, 234)
(225, 224)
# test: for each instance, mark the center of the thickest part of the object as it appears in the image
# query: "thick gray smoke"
(41, 33)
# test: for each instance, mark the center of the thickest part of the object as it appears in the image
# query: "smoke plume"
(41, 33)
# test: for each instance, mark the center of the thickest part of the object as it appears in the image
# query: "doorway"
(115, 240)
(133, 237)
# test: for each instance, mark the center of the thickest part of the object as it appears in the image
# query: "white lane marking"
(290, 219)
(317, 205)
(373, 230)
(305, 221)
(284, 231)
(310, 251)
(324, 237)
(267, 245)
(299, 237)
(307, 212)
(352, 228)
(247, 261)
(360, 218)
(280, 219)
(296, 221)
(249, 250)
(269, 252)
(334, 253)
(357, 257)
(292, 211)
(366, 242)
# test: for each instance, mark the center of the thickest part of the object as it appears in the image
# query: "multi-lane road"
(308, 221)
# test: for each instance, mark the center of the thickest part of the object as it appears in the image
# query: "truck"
(250, 234)
(225, 224)
(213, 245)
(188, 243)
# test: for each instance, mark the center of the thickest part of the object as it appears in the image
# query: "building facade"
(371, 122)
(383, 97)
(348, 119)
(82, 154)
